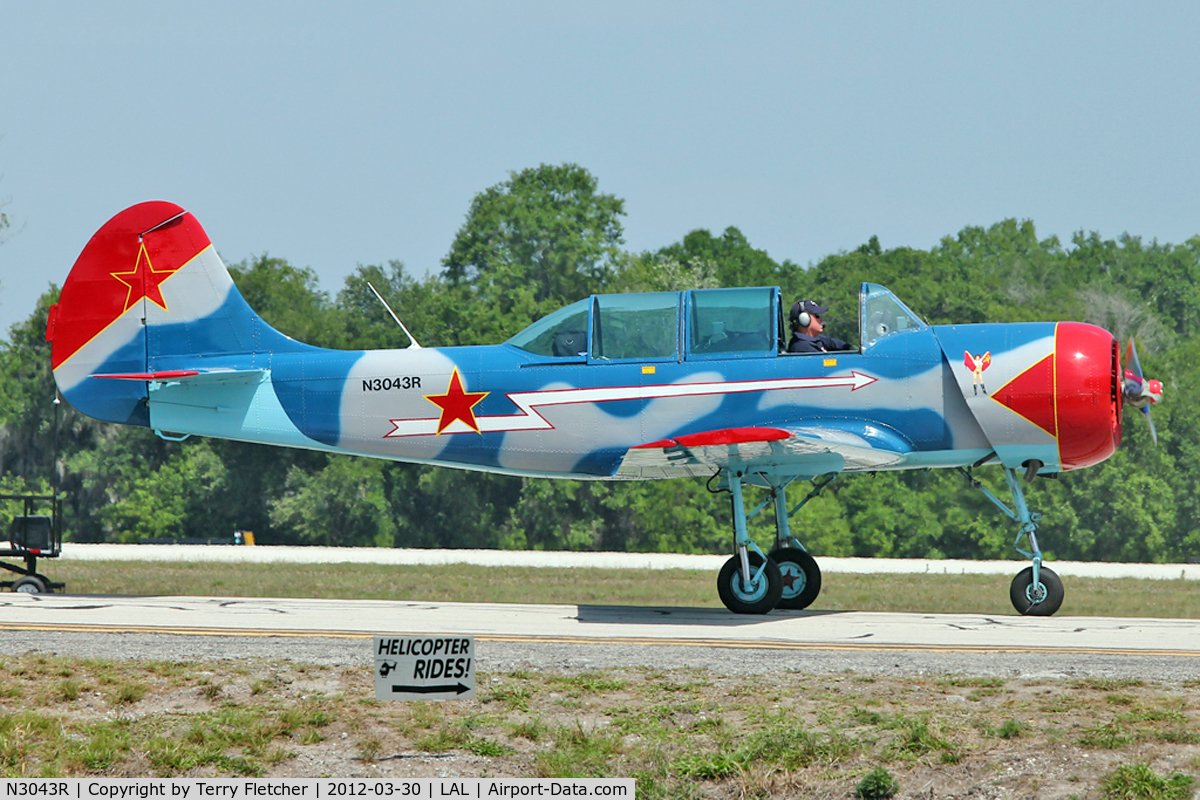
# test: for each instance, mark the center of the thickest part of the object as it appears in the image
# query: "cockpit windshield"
(720, 323)
(560, 334)
(883, 314)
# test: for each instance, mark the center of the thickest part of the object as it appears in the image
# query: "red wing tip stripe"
(659, 443)
(726, 436)
(151, 376)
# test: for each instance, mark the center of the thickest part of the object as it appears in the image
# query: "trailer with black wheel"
(32, 536)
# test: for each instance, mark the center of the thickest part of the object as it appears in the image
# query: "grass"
(680, 733)
(710, 735)
(877, 785)
(73, 730)
(1140, 782)
(918, 593)
(582, 753)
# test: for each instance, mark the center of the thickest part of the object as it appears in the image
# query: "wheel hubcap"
(794, 579)
(749, 592)
(1036, 594)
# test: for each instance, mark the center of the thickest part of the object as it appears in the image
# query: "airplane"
(150, 330)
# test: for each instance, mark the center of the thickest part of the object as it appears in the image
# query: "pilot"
(807, 330)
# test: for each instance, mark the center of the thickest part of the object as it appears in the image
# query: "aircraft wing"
(807, 449)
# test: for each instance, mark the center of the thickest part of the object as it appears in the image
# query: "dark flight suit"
(803, 343)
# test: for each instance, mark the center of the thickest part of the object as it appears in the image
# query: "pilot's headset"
(800, 317)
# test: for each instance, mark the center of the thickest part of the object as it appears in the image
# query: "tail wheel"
(801, 577)
(753, 597)
(1041, 600)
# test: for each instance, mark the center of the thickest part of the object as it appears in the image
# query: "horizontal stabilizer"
(192, 377)
(150, 376)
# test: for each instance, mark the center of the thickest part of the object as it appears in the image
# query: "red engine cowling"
(1088, 391)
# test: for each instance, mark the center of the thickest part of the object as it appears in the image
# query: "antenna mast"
(413, 342)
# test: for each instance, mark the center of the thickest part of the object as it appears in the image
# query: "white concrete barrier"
(575, 560)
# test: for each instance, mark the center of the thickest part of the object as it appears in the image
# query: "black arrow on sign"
(459, 689)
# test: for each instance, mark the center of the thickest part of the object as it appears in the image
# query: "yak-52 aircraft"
(150, 330)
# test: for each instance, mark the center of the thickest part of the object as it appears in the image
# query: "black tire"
(1027, 601)
(742, 599)
(30, 584)
(801, 577)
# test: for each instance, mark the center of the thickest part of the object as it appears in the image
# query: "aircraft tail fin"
(147, 295)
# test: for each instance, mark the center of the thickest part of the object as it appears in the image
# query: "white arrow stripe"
(530, 420)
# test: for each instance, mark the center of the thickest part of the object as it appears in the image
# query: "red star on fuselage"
(457, 404)
(143, 281)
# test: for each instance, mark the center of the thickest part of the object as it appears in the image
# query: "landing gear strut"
(1037, 591)
(751, 583)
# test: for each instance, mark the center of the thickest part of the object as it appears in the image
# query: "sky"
(339, 134)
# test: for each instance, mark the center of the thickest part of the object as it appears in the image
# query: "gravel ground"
(505, 657)
(743, 724)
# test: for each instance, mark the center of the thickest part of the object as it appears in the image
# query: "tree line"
(548, 236)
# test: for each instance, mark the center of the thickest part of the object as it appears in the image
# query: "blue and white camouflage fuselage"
(152, 331)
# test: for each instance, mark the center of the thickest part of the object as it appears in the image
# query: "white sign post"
(424, 667)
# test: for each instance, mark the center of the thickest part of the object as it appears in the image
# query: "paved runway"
(582, 637)
(573, 638)
(700, 627)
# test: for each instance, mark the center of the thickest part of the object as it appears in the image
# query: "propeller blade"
(1133, 372)
(1131, 360)
(1139, 392)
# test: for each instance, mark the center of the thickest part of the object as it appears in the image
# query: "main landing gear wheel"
(1036, 601)
(801, 577)
(755, 597)
(30, 584)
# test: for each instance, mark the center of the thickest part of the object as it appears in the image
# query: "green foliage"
(431, 311)
(1140, 782)
(579, 753)
(662, 516)
(288, 299)
(790, 747)
(27, 395)
(730, 258)
(707, 766)
(543, 238)
(668, 274)
(18, 485)
(145, 488)
(878, 784)
(342, 505)
(1011, 729)
(449, 508)
(916, 740)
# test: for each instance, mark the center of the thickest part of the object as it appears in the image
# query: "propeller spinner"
(1140, 392)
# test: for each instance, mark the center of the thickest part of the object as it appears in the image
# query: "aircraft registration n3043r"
(150, 330)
